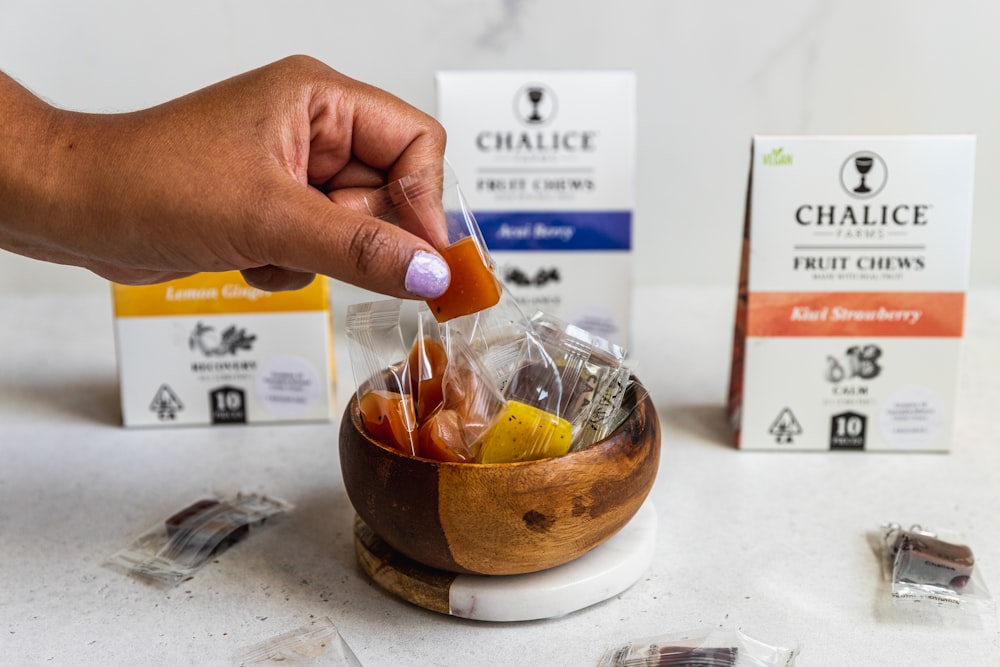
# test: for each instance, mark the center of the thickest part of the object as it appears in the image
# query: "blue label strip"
(557, 230)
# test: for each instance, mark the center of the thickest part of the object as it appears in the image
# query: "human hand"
(256, 173)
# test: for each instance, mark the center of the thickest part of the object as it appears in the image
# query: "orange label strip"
(877, 314)
(214, 293)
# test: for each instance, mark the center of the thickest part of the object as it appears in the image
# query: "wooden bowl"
(502, 518)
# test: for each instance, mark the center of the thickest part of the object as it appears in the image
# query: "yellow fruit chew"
(524, 433)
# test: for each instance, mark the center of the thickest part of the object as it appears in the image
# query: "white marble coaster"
(596, 576)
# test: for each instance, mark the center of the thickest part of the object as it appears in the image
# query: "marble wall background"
(710, 74)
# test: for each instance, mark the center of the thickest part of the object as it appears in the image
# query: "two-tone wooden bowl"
(506, 518)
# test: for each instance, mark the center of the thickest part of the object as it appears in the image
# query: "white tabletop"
(772, 543)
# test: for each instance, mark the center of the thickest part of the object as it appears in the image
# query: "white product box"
(852, 292)
(546, 160)
(209, 349)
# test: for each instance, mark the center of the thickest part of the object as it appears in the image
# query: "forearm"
(26, 178)
(57, 195)
(217, 180)
(36, 179)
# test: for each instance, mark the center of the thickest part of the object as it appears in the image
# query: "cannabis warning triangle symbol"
(165, 403)
(785, 427)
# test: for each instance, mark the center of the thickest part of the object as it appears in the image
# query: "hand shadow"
(93, 399)
(704, 422)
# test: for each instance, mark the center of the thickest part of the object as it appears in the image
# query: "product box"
(209, 349)
(852, 292)
(546, 160)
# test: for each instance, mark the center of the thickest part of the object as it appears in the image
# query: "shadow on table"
(315, 559)
(93, 399)
(704, 422)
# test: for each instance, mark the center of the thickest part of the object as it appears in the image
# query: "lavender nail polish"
(427, 276)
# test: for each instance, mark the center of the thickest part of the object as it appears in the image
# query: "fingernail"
(427, 276)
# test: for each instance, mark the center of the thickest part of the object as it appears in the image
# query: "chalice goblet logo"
(535, 104)
(863, 163)
(863, 174)
(535, 96)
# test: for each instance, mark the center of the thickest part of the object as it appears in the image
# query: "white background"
(710, 74)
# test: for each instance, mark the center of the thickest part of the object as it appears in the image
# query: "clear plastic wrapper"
(380, 360)
(431, 397)
(471, 404)
(430, 204)
(437, 396)
(699, 648)
(496, 336)
(427, 365)
(489, 387)
(608, 411)
(316, 643)
(175, 549)
(933, 567)
(502, 413)
(531, 426)
(594, 378)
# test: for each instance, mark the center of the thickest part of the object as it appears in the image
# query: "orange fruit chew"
(389, 418)
(473, 286)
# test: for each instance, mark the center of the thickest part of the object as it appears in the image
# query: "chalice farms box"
(209, 349)
(546, 160)
(852, 292)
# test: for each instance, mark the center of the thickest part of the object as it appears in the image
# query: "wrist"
(25, 166)
(51, 161)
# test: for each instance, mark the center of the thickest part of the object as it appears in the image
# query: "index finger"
(388, 135)
(394, 136)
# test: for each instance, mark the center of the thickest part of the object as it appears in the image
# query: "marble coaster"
(596, 576)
